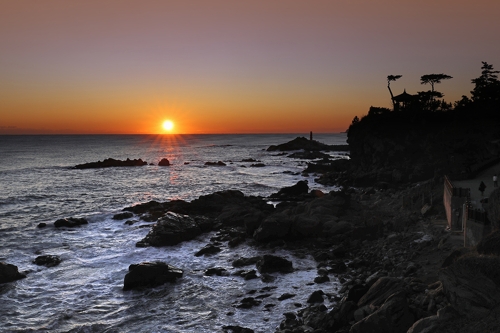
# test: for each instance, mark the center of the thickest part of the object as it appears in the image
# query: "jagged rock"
(70, 222)
(394, 316)
(47, 260)
(272, 264)
(111, 162)
(298, 189)
(150, 274)
(9, 273)
(434, 324)
(380, 291)
(164, 162)
(316, 297)
(472, 284)
(123, 216)
(174, 228)
(209, 249)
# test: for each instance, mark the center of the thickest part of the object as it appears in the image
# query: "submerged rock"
(219, 163)
(272, 264)
(150, 274)
(164, 162)
(9, 273)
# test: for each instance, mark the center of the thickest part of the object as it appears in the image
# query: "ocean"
(84, 293)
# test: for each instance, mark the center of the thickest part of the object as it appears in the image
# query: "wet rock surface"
(150, 274)
(70, 222)
(47, 260)
(9, 273)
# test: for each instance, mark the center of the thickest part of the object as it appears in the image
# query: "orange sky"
(229, 66)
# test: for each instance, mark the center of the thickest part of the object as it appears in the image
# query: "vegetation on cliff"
(426, 137)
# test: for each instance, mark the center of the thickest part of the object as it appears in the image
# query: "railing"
(477, 215)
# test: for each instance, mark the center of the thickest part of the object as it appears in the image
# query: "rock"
(246, 261)
(172, 229)
(123, 216)
(276, 226)
(309, 155)
(248, 303)
(9, 273)
(111, 162)
(219, 271)
(209, 249)
(47, 260)
(257, 165)
(321, 279)
(150, 274)
(236, 329)
(380, 291)
(316, 297)
(219, 163)
(394, 316)
(70, 222)
(303, 143)
(298, 189)
(272, 264)
(434, 324)
(164, 162)
(42, 225)
(490, 244)
(286, 296)
(472, 284)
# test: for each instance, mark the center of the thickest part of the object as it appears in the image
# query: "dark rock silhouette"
(9, 273)
(47, 260)
(219, 163)
(164, 162)
(300, 143)
(150, 274)
(70, 222)
(111, 162)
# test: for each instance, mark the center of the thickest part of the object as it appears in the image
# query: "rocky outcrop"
(434, 324)
(490, 244)
(305, 144)
(174, 228)
(219, 163)
(111, 162)
(70, 222)
(150, 274)
(164, 162)
(47, 260)
(393, 316)
(9, 273)
(292, 192)
(271, 264)
(472, 284)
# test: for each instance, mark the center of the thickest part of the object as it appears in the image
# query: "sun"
(168, 125)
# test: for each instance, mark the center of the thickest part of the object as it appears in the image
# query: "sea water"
(84, 293)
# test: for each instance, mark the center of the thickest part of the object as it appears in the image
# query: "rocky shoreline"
(400, 269)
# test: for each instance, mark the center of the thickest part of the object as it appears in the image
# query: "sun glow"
(168, 125)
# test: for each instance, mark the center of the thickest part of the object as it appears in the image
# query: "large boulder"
(380, 291)
(9, 273)
(175, 228)
(434, 324)
(164, 162)
(490, 244)
(111, 162)
(271, 264)
(70, 222)
(276, 226)
(150, 274)
(472, 284)
(393, 316)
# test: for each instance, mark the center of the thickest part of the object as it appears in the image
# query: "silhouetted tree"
(433, 79)
(355, 120)
(487, 89)
(389, 79)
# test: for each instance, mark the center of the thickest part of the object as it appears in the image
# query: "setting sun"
(168, 125)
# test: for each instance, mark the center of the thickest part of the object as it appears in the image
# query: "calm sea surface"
(84, 293)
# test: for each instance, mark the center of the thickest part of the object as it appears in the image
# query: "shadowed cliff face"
(401, 147)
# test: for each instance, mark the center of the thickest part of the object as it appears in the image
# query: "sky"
(225, 66)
